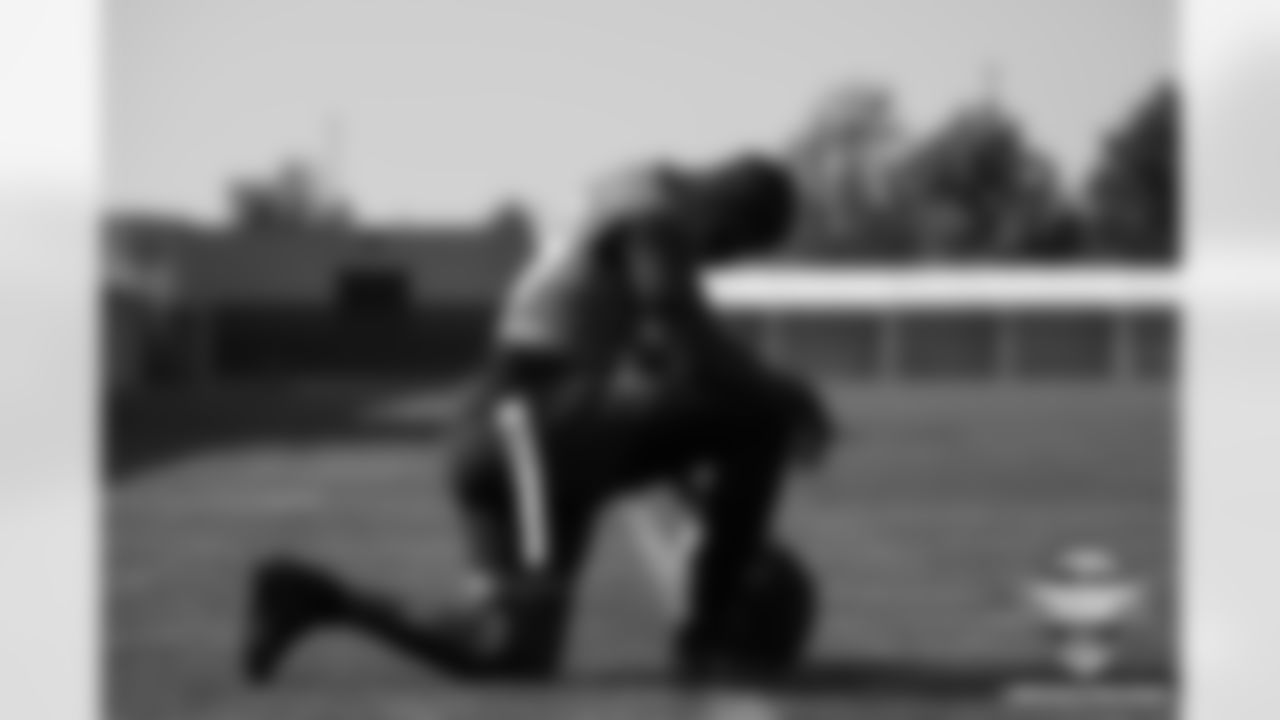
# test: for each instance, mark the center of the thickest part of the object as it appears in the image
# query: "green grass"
(920, 530)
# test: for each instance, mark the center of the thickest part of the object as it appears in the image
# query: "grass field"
(943, 499)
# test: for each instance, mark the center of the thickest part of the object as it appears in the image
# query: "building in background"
(138, 296)
(252, 300)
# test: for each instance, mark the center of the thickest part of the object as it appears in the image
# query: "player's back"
(568, 302)
(573, 299)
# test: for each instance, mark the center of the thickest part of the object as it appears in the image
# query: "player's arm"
(684, 324)
(664, 281)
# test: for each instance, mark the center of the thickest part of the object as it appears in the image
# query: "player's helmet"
(776, 614)
(746, 206)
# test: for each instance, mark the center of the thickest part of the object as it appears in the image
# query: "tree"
(1134, 191)
(292, 199)
(516, 227)
(978, 188)
(844, 155)
(1059, 236)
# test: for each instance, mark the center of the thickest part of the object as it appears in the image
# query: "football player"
(609, 370)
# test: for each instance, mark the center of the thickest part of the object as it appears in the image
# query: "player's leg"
(736, 512)
(727, 455)
(288, 599)
(529, 513)
(757, 435)
(512, 618)
(527, 529)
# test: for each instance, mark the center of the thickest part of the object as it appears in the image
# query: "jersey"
(573, 313)
(569, 304)
(575, 300)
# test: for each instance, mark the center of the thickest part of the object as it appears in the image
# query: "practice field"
(942, 501)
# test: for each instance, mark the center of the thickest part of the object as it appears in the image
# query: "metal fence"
(982, 344)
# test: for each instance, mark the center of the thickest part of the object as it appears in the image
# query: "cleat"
(287, 601)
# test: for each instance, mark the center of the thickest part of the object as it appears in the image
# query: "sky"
(423, 109)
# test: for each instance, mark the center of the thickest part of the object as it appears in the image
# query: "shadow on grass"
(148, 429)
(900, 679)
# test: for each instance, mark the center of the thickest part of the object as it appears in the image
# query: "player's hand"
(813, 430)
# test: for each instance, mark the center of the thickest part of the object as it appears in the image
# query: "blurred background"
(314, 207)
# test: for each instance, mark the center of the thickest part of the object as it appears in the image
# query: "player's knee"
(475, 471)
(758, 428)
(537, 613)
(785, 417)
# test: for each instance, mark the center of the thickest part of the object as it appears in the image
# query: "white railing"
(835, 288)
(993, 324)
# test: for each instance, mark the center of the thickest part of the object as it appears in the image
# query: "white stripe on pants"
(528, 478)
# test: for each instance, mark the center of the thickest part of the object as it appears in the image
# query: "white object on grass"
(1086, 600)
(665, 548)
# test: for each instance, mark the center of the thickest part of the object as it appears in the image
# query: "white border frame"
(48, 522)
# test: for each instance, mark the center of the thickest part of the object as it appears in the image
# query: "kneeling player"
(555, 437)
